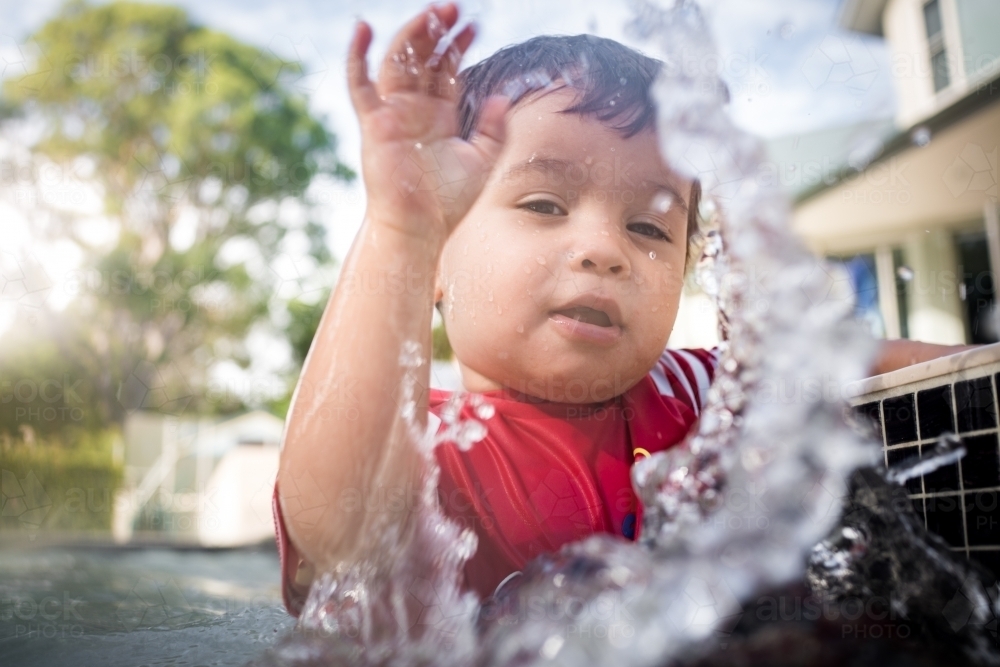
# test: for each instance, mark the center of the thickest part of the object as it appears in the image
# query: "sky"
(789, 67)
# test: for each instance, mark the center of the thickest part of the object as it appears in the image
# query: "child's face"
(563, 280)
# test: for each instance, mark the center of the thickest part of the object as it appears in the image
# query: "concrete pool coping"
(953, 363)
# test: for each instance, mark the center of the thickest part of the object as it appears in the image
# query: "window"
(978, 21)
(935, 44)
(864, 281)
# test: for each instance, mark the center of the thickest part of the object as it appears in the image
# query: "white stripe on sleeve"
(660, 378)
(700, 374)
(675, 368)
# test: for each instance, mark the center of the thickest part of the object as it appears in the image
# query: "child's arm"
(344, 436)
(896, 354)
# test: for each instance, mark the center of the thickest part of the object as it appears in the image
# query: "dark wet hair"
(612, 80)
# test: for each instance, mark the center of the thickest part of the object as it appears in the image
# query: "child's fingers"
(364, 97)
(405, 64)
(444, 67)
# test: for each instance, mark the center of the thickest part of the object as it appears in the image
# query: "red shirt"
(546, 473)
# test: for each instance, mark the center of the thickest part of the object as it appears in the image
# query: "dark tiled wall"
(959, 502)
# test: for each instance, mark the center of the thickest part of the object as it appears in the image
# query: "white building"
(198, 481)
(917, 225)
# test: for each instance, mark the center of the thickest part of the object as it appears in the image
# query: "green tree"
(199, 147)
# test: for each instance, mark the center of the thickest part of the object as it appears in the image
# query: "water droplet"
(418, 145)
(485, 411)
(409, 354)
(527, 269)
(921, 136)
(520, 222)
(520, 328)
(532, 158)
(540, 260)
(662, 202)
(588, 160)
(489, 297)
(469, 434)
(499, 310)
(655, 308)
(652, 254)
(604, 233)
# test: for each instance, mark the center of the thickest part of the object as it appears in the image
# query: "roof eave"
(862, 16)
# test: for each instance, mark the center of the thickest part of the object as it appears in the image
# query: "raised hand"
(420, 176)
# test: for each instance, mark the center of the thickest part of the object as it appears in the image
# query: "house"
(199, 481)
(914, 215)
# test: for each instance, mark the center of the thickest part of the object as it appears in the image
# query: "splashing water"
(746, 504)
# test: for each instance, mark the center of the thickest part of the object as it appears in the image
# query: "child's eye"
(648, 229)
(544, 207)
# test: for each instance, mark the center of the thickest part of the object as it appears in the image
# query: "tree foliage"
(202, 151)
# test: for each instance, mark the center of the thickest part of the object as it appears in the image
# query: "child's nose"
(588, 263)
(600, 252)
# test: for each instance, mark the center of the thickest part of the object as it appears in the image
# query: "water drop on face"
(532, 158)
(540, 260)
(655, 308)
(520, 222)
(489, 297)
(662, 202)
(652, 254)
(520, 328)
(605, 233)
(527, 269)
(499, 310)
(418, 145)
(588, 160)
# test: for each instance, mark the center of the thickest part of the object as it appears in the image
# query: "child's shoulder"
(686, 374)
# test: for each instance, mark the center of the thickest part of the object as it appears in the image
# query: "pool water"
(132, 607)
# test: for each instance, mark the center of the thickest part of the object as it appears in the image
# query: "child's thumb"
(491, 131)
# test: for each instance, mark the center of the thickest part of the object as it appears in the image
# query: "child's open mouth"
(586, 323)
(586, 315)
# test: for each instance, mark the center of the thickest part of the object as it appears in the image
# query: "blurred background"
(178, 187)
